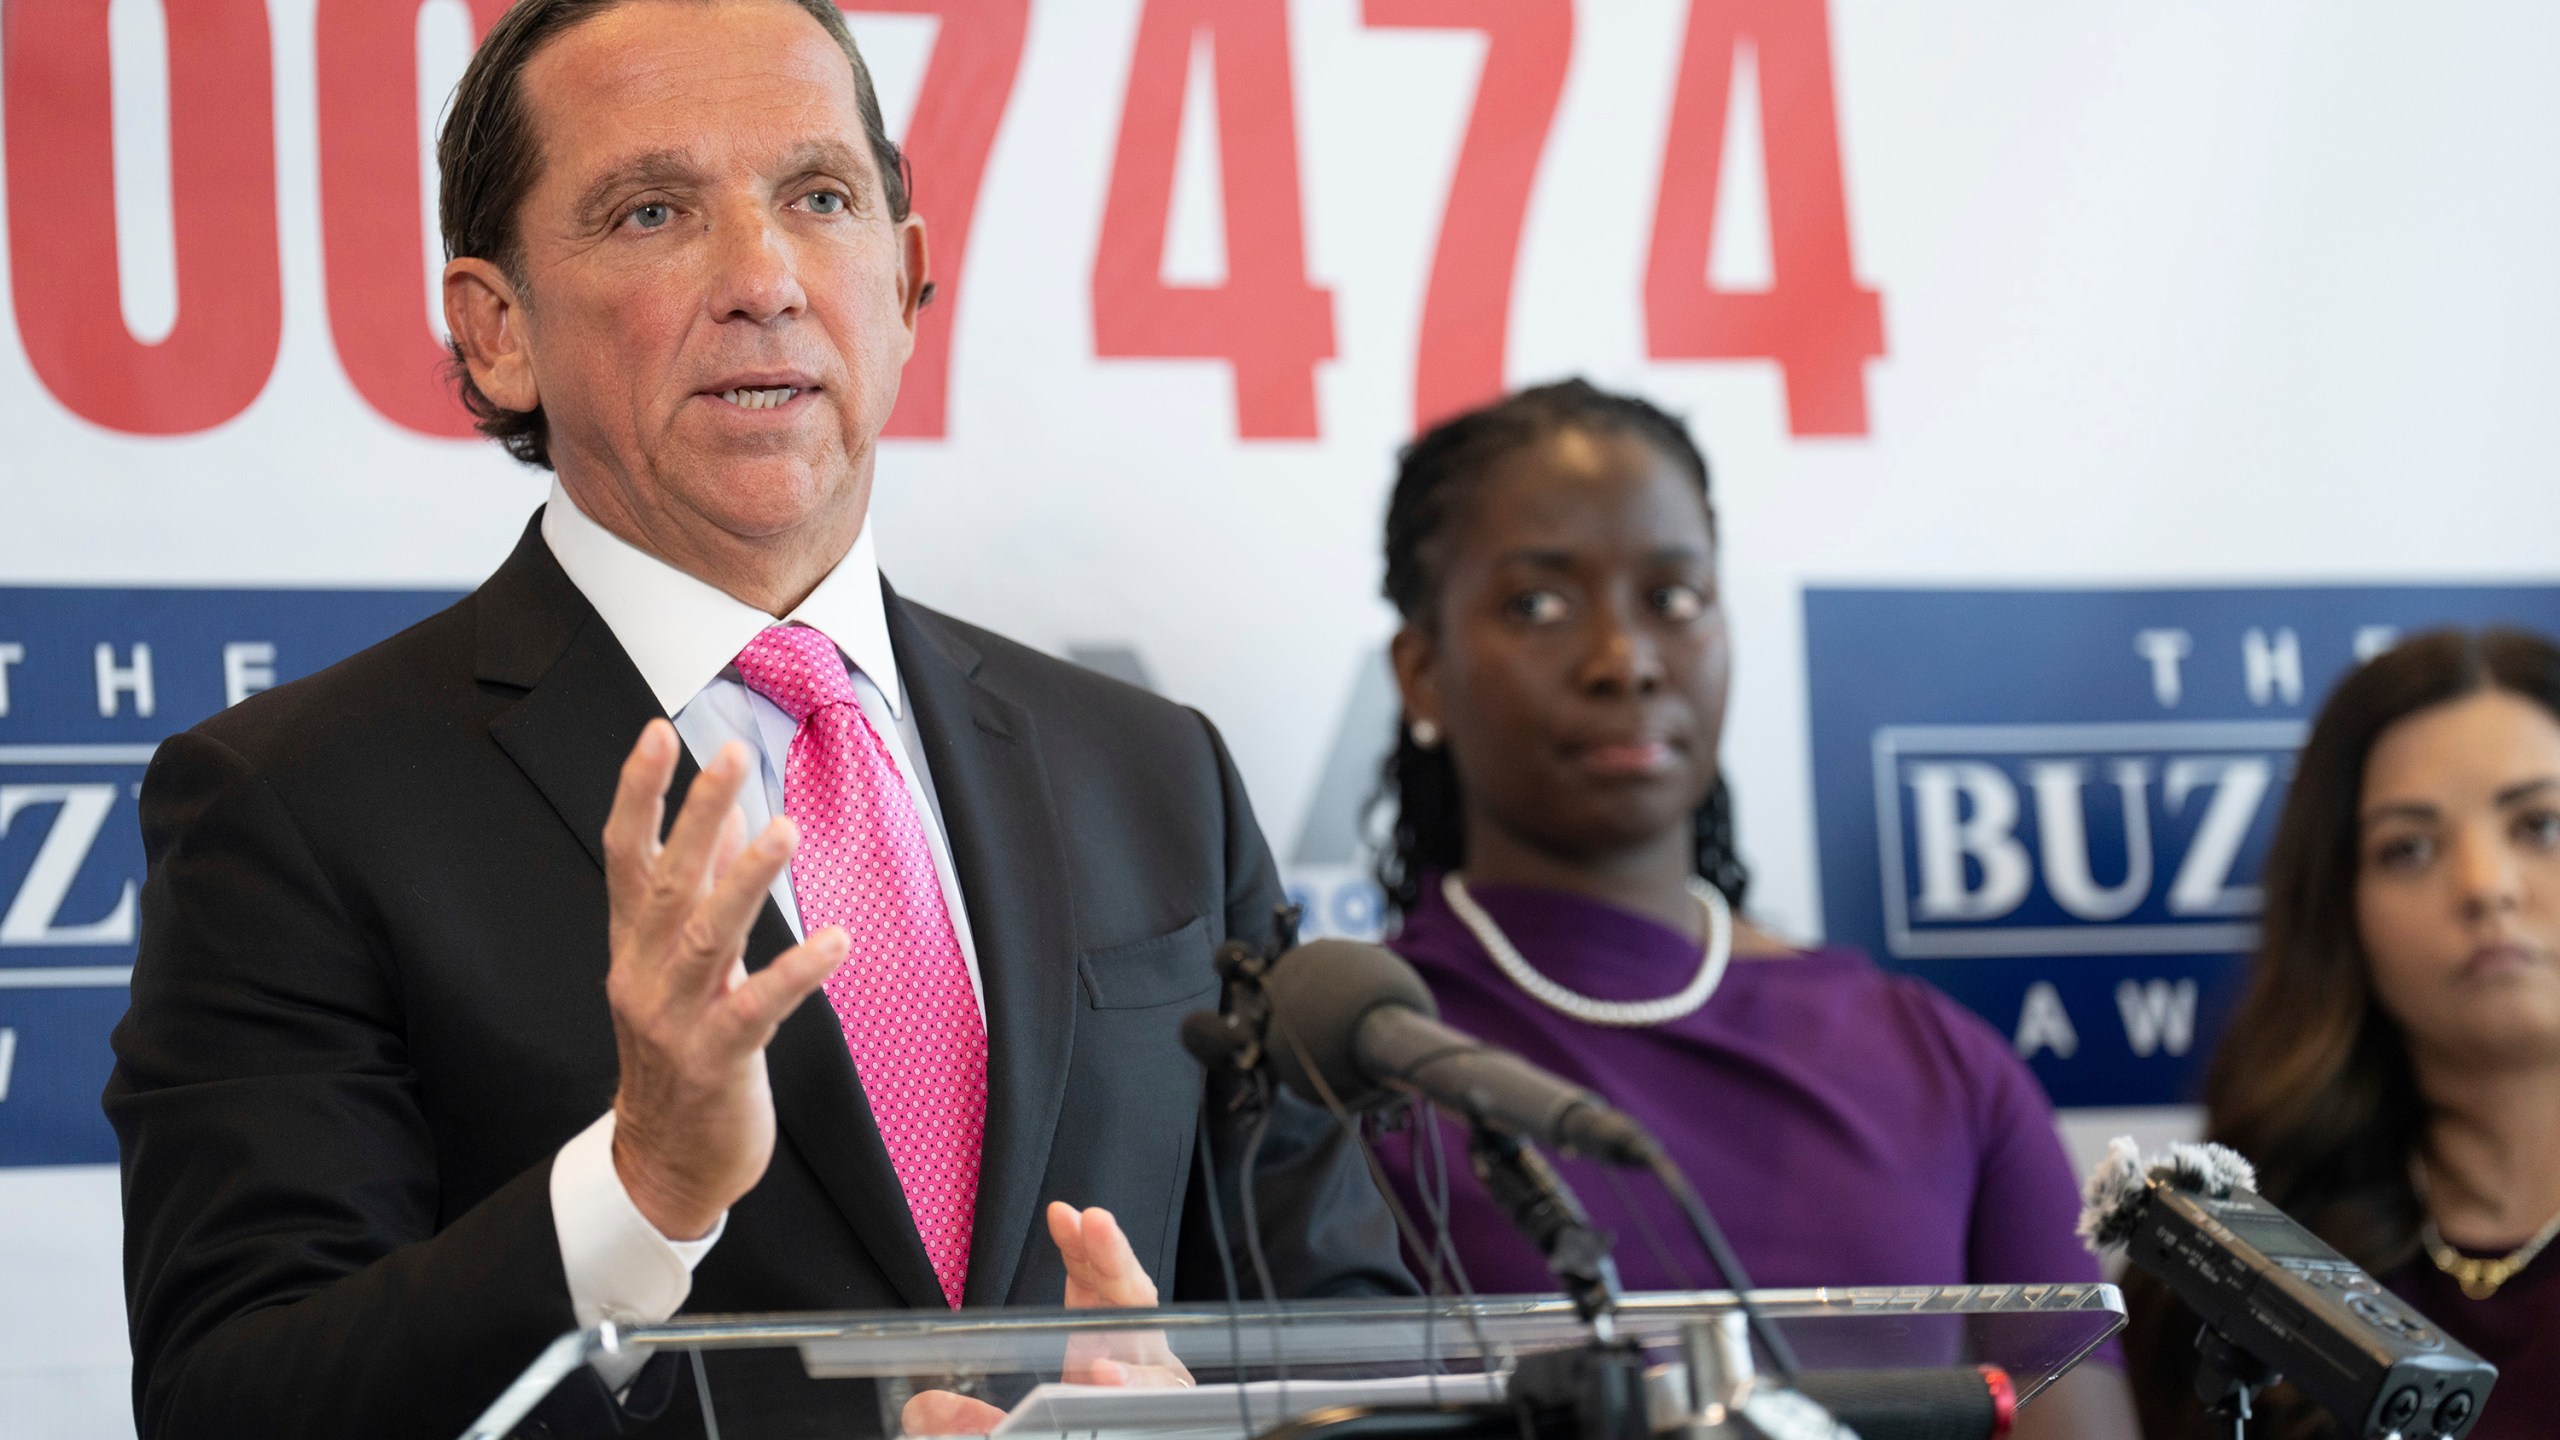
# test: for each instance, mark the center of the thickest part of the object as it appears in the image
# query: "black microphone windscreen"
(1320, 992)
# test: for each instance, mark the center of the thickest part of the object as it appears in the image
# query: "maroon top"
(1847, 1126)
(2517, 1330)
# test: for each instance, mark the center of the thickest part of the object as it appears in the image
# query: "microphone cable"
(1654, 1244)
(1405, 1227)
(1226, 1271)
(1728, 1266)
(1279, 1319)
(1719, 1254)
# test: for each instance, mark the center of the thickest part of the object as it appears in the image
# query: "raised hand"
(693, 1116)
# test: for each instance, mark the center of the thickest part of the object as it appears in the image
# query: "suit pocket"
(1160, 971)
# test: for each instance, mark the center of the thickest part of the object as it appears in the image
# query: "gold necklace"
(2480, 1278)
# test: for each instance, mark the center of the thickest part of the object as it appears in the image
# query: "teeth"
(760, 399)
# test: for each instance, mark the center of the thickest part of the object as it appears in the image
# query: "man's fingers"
(1098, 1257)
(718, 927)
(732, 842)
(765, 998)
(639, 803)
(685, 863)
(941, 1412)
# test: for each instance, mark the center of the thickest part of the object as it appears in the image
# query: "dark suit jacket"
(369, 1006)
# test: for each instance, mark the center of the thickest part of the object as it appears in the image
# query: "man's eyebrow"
(831, 156)
(640, 172)
(828, 157)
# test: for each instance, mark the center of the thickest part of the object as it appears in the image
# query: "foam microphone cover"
(1319, 994)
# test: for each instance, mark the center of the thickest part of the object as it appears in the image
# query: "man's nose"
(755, 276)
(1622, 658)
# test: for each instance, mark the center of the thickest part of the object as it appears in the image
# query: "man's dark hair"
(1435, 475)
(490, 158)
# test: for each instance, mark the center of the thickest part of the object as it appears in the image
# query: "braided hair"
(1418, 788)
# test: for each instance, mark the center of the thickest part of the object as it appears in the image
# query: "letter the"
(1942, 794)
(133, 679)
(2273, 667)
(2164, 649)
(2372, 640)
(248, 666)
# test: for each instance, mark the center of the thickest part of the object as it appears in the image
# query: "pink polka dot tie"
(902, 995)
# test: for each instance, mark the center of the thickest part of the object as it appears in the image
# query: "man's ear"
(1415, 656)
(915, 272)
(489, 321)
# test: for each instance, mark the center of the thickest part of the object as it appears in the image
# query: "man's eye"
(652, 215)
(827, 202)
(1538, 607)
(1680, 602)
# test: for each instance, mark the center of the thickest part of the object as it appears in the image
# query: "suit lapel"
(1011, 857)
(584, 707)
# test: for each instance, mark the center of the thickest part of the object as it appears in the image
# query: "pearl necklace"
(1622, 1013)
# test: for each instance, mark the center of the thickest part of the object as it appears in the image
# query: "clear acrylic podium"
(851, 1373)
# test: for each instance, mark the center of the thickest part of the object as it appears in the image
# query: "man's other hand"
(693, 1116)
(1103, 1273)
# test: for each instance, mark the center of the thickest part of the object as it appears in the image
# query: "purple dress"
(1846, 1126)
(2517, 1330)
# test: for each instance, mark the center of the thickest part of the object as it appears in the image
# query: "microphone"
(2276, 1301)
(1359, 1020)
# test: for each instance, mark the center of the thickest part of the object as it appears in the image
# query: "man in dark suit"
(443, 1042)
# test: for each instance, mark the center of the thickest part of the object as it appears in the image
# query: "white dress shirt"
(683, 635)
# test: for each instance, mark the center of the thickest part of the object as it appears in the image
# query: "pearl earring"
(1426, 736)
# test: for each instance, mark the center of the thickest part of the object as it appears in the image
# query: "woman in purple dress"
(1562, 861)
(2394, 1071)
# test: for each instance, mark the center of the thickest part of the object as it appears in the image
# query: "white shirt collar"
(682, 632)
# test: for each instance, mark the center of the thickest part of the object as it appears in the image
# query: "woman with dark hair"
(2394, 1071)
(1562, 861)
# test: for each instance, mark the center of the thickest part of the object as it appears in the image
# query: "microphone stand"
(1600, 1384)
(1594, 1391)
(1546, 1210)
(2228, 1380)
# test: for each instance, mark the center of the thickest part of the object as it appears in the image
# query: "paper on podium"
(1106, 1411)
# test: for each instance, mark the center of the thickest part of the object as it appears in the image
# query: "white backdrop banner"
(2141, 296)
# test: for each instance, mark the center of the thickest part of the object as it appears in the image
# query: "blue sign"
(90, 682)
(2054, 804)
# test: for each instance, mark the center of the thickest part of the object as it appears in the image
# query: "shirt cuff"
(619, 1267)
